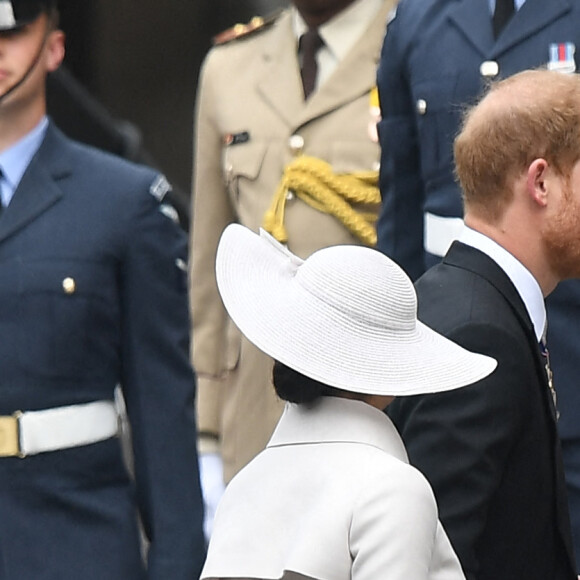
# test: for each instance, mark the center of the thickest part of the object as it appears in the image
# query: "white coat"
(332, 497)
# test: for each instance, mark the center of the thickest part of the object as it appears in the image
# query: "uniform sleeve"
(462, 440)
(400, 225)
(159, 388)
(395, 532)
(211, 213)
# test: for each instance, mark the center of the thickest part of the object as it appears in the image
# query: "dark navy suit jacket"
(432, 53)
(82, 214)
(490, 450)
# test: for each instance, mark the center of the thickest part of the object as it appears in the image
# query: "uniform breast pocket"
(438, 117)
(241, 166)
(68, 319)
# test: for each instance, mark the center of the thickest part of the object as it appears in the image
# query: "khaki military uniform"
(250, 110)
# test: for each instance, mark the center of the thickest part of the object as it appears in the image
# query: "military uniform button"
(69, 285)
(421, 106)
(296, 144)
(489, 69)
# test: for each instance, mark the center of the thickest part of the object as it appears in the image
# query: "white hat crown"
(347, 278)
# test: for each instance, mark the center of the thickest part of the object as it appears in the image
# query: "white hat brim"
(308, 324)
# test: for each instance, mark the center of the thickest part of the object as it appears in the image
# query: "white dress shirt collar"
(525, 283)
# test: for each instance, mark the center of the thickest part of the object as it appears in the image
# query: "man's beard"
(561, 237)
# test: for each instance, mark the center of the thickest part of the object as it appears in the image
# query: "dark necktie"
(546, 355)
(310, 43)
(504, 10)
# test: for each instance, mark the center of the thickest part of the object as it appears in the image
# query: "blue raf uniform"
(437, 57)
(93, 295)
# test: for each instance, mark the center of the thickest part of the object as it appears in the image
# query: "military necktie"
(310, 44)
(504, 10)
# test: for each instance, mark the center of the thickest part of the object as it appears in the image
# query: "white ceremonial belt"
(33, 432)
(440, 232)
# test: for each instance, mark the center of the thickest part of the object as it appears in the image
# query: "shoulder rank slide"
(243, 30)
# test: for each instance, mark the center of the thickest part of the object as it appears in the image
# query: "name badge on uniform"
(236, 138)
(562, 57)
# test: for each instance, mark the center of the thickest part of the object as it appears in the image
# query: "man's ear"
(54, 50)
(536, 181)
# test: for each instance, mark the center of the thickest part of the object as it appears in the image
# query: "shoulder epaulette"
(244, 30)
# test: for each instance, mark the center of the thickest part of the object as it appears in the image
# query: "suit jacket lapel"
(280, 85)
(37, 190)
(468, 258)
(473, 18)
(531, 17)
(472, 259)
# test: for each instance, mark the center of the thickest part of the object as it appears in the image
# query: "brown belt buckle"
(10, 435)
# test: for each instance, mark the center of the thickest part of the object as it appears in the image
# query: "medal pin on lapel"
(562, 57)
(375, 113)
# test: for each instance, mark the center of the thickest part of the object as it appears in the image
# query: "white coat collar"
(334, 420)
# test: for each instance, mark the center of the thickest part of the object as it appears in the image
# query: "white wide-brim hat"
(346, 317)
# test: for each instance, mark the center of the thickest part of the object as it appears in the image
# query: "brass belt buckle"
(10, 435)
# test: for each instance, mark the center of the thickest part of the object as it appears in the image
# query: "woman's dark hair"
(292, 386)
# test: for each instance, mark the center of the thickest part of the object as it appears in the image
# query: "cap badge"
(7, 19)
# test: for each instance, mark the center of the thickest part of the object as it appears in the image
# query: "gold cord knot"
(314, 182)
